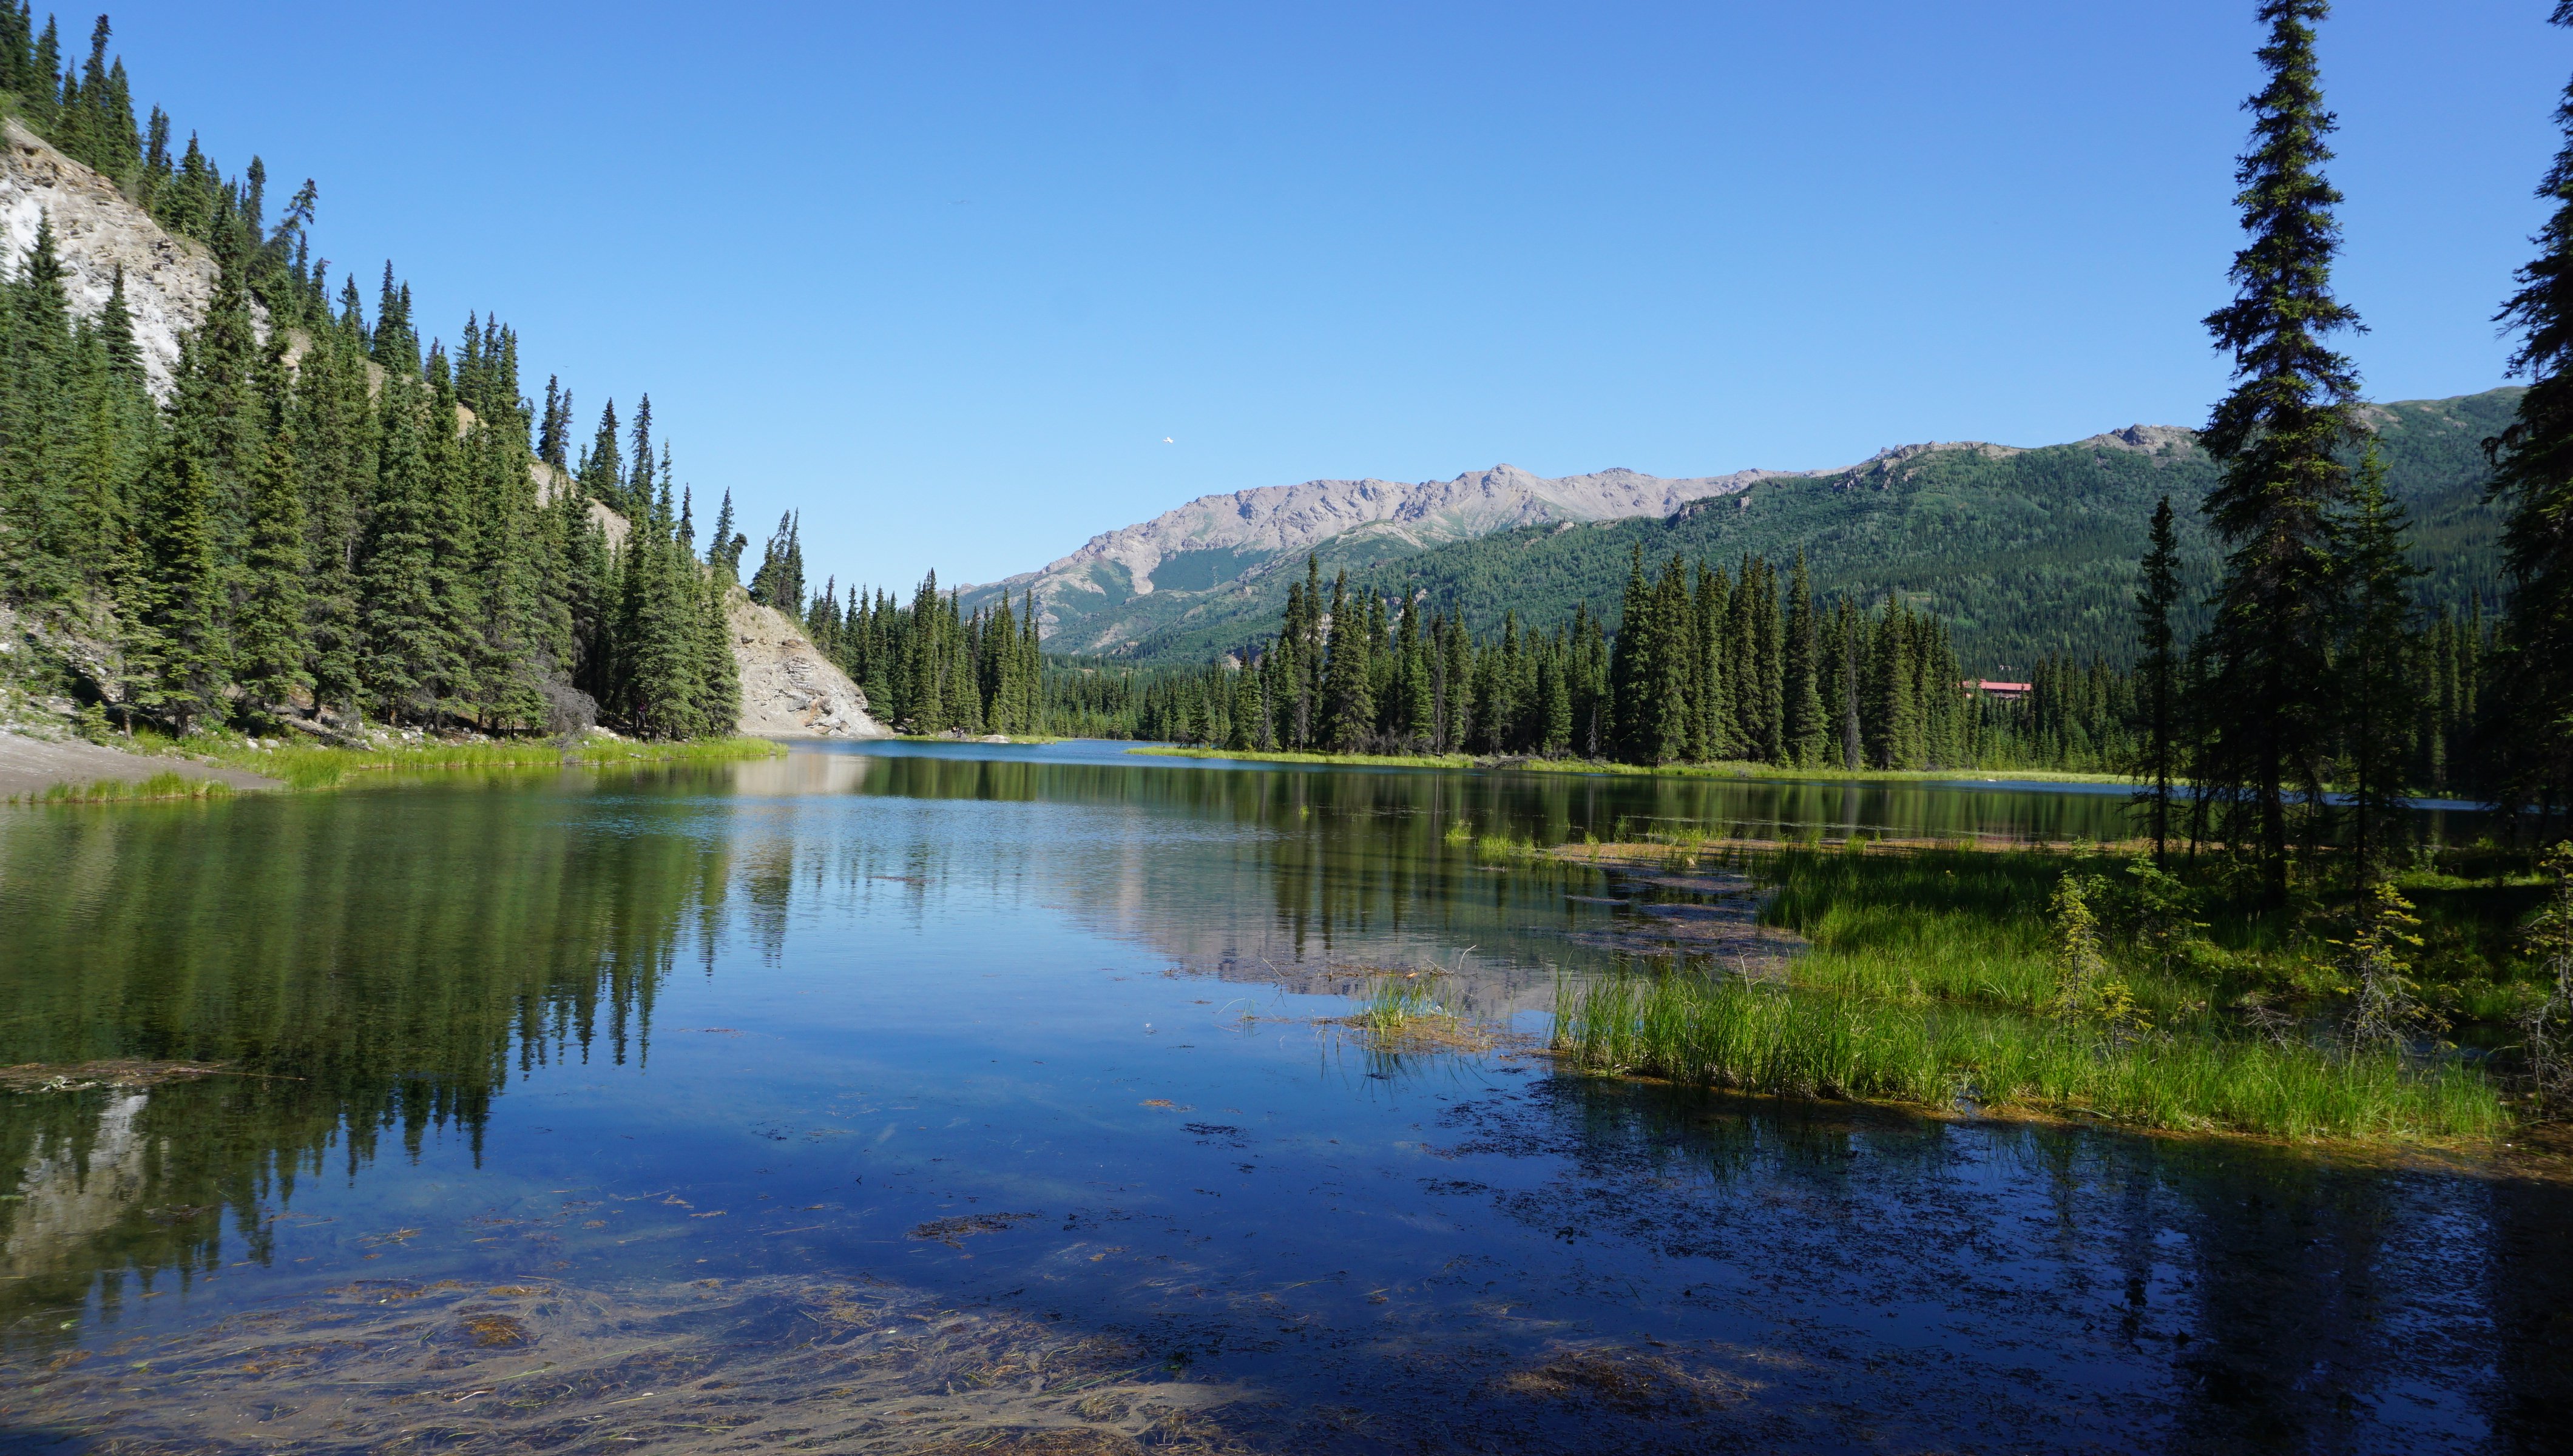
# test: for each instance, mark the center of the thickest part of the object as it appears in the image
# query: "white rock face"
(551, 482)
(788, 688)
(169, 281)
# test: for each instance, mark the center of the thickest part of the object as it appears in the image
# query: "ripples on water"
(980, 1097)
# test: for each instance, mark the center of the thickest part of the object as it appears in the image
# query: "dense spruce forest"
(325, 521)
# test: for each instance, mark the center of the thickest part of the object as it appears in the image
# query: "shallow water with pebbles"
(1008, 1099)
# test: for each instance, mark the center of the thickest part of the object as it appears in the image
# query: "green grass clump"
(1809, 1043)
(1938, 974)
(1395, 1003)
(1963, 926)
(325, 766)
(164, 785)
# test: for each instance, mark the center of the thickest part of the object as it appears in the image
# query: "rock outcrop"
(169, 281)
(788, 688)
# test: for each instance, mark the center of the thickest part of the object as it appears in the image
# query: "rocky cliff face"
(788, 688)
(169, 281)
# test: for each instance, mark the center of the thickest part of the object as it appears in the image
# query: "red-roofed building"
(2011, 691)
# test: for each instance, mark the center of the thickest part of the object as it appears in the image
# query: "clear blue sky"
(946, 277)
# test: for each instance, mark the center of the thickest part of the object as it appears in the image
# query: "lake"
(903, 1097)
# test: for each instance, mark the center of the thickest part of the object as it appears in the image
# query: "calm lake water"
(987, 1099)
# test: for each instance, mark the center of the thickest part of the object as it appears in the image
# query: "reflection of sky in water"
(759, 1024)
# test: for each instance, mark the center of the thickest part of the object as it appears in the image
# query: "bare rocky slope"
(788, 689)
(168, 280)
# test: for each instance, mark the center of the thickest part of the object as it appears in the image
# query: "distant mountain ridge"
(2025, 549)
(1091, 597)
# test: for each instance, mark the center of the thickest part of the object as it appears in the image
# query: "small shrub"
(2548, 1021)
(2385, 1004)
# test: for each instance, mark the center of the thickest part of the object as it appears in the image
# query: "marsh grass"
(1407, 1010)
(1396, 1003)
(1812, 1043)
(164, 785)
(1930, 976)
(318, 766)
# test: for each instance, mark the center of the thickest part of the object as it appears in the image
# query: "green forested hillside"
(2022, 552)
(321, 524)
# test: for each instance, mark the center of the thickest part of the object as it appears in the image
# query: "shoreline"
(32, 768)
(38, 771)
(1599, 768)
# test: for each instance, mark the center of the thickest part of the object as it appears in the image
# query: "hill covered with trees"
(317, 517)
(2024, 554)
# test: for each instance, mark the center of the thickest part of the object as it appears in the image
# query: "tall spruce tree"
(2277, 438)
(2157, 678)
(1349, 703)
(2378, 688)
(1807, 731)
(269, 638)
(2534, 474)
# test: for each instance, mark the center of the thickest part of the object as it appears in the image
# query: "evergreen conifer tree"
(2157, 683)
(2377, 685)
(2277, 438)
(1346, 695)
(1632, 674)
(2534, 474)
(178, 640)
(603, 466)
(404, 660)
(1806, 728)
(268, 642)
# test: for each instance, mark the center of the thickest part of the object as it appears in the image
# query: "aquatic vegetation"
(38, 1077)
(1396, 1001)
(2020, 978)
(1407, 1010)
(1808, 1043)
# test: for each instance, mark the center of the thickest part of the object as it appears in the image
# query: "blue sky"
(948, 277)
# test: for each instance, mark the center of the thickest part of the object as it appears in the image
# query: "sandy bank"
(33, 765)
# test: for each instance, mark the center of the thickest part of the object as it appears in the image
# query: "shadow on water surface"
(851, 1101)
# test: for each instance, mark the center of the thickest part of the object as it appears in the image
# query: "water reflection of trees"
(2290, 1303)
(366, 967)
